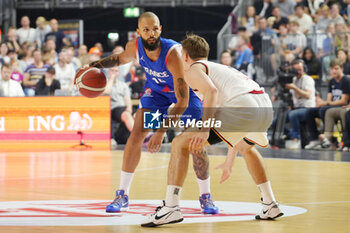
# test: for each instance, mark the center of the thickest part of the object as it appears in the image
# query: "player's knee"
(244, 146)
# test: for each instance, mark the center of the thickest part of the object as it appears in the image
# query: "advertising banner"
(54, 123)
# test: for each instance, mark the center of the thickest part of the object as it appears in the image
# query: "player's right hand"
(226, 172)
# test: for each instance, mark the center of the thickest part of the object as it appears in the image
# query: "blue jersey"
(158, 76)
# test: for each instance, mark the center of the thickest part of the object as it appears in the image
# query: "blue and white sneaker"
(120, 203)
(207, 204)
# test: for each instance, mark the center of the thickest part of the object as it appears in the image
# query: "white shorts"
(246, 116)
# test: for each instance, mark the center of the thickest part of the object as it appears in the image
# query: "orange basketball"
(90, 81)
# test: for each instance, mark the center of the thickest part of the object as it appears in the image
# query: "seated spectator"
(121, 107)
(304, 20)
(313, 65)
(71, 59)
(286, 6)
(56, 35)
(42, 28)
(335, 14)
(295, 42)
(33, 73)
(248, 21)
(327, 52)
(27, 55)
(4, 59)
(338, 95)
(17, 65)
(263, 8)
(245, 54)
(48, 83)
(138, 83)
(11, 40)
(118, 49)
(342, 55)
(124, 70)
(276, 12)
(9, 87)
(64, 72)
(226, 58)
(256, 39)
(303, 94)
(83, 55)
(342, 37)
(25, 33)
(323, 20)
(313, 6)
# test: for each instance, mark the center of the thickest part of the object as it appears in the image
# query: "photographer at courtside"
(303, 95)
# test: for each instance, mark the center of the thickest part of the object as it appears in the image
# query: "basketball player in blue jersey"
(165, 85)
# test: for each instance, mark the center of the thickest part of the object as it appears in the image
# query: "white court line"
(317, 203)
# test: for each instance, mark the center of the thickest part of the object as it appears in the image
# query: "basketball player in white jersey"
(246, 113)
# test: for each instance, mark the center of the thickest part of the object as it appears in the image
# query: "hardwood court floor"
(322, 187)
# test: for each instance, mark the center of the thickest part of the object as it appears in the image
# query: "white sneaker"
(312, 145)
(293, 144)
(163, 215)
(269, 211)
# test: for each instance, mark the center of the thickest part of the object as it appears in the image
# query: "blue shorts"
(161, 101)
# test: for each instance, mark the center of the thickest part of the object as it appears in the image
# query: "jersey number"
(158, 80)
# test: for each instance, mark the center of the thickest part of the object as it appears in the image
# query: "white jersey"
(229, 82)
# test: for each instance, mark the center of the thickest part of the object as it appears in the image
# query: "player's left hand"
(155, 142)
(197, 141)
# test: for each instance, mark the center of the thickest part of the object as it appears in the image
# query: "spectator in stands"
(256, 39)
(4, 59)
(28, 49)
(263, 8)
(245, 54)
(64, 72)
(295, 42)
(303, 94)
(9, 87)
(48, 83)
(304, 20)
(248, 21)
(18, 66)
(342, 37)
(286, 6)
(226, 58)
(313, 65)
(94, 54)
(49, 58)
(323, 20)
(335, 14)
(338, 95)
(41, 30)
(100, 47)
(72, 59)
(33, 73)
(342, 55)
(276, 12)
(11, 39)
(25, 33)
(121, 107)
(312, 6)
(328, 49)
(50, 47)
(83, 55)
(56, 35)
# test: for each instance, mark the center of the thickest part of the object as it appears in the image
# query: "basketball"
(90, 81)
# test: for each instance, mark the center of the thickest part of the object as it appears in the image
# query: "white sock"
(173, 194)
(204, 186)
(266, 192)
(125, 181)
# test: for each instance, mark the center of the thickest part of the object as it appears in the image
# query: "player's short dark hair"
(195, 46)
(336, 62)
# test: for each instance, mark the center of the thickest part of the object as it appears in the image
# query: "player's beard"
(151, 47)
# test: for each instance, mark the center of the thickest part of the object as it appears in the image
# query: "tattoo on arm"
(181, 89)
(201, 165)
(107, 62)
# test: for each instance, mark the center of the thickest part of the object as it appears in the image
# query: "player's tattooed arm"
(106, 62)
(201, 164)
